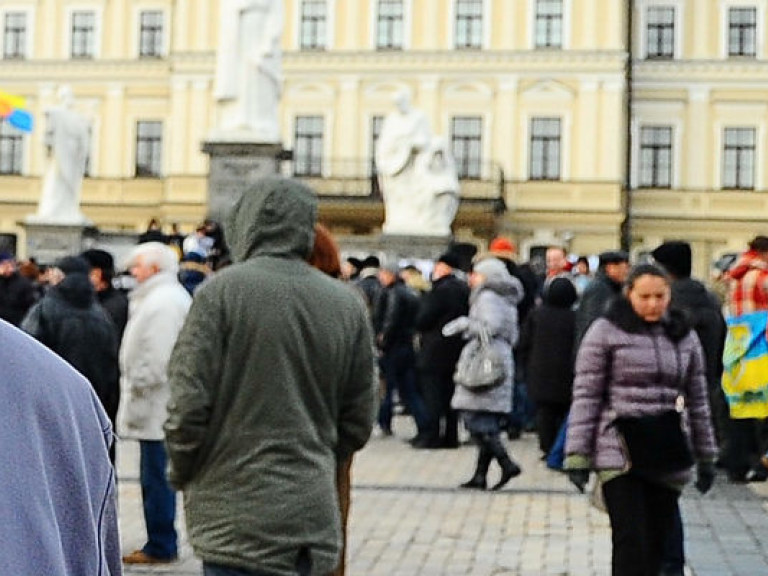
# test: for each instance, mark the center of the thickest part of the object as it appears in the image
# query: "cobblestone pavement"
(408, 518)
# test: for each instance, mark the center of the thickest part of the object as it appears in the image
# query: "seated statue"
(417, 174)
(67, 141)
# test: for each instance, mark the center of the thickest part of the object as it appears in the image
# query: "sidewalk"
(408, 518)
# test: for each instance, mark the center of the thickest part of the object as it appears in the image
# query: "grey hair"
(155, 253)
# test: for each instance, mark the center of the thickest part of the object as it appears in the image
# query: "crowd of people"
(280, 361)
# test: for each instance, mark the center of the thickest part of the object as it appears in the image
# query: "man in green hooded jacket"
(272, 385)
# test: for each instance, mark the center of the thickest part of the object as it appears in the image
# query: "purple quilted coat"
(638, 368)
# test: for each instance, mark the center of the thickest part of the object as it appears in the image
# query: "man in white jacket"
(156, 313)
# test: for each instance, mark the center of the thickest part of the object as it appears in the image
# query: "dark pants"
(549, 418)
(744, 447)
(674, 551)
(399, 367)
(642, 515)
(442, 422)
(159, 501)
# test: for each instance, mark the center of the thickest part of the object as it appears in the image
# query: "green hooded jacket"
(272, 383)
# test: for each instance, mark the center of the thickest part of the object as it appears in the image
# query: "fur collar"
(620, 313)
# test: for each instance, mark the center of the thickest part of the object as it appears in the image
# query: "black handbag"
(657, 444)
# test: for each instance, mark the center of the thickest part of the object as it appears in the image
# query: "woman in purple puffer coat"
(633, 362)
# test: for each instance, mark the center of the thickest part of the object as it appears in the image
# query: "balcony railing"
(356, 178)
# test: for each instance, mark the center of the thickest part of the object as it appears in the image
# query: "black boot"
(508, 468)
(478, 482)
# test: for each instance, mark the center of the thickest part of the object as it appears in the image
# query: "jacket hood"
(508, 288)
(274, 217)
(76, 289)
(750, 260)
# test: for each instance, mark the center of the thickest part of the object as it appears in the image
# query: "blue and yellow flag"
(13, 109)
(745, 366)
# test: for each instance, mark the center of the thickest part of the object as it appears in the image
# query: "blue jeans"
(399, 367)
(159, 501)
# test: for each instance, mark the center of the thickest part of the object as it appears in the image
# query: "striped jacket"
(748, 288)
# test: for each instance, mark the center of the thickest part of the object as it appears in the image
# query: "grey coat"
(638, 368)
(494, 306)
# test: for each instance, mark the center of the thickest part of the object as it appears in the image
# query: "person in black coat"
(546, 349)
(448, 299)
(17, 294)
(114, 301)
(69, 321)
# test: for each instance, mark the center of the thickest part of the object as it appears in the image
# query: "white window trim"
(759, 129)
(566, 122)
(98, 22)
(760, 6)
(566, 28)
(136, 27)
(330, 21)
(407, 23)
(642, 19)
(485, 41)
(677, 141)
(30, 12)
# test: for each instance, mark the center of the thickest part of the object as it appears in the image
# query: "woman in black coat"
(546, 350)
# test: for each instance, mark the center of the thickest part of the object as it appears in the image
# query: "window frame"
(158, 33)
(11, 137)
(742, 30)
(535, 30)
(149, 146)
(662, 29)
(472, 43)
(22, 37)
(656, 149)
(315, 158)
(546, 142)
(740, 151)
(320, 42)
(467, 149)
(392, 45)
(90, 34)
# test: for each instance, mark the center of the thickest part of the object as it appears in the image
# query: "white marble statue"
(417, 174)
(249, 69)
(67, 141)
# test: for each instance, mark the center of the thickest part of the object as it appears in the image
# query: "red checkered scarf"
(748, 290)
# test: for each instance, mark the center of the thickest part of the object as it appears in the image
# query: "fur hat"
(612, 257)
(493, 269)
(450, 259)
(675, 257)
(100, 259)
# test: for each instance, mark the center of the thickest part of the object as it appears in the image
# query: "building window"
(656, 157)
(308, 146)
(151, 34)
(545, 149)
(389, 26)
(83, 34)
(739, 158)
(742, 32)
(149, 142)
(10, 149)
(15, 35)
(661, 32)
(313, 25)
(469, 23)
(466, 143)
(549, 24)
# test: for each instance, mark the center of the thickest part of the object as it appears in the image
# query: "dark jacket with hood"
(70, 321)
(448, 299)
(594, 302)
(17, 294)
(546, 344)
(272, 384)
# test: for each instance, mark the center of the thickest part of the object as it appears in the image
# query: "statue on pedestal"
(417, 174)
(249, 69)
(67, 141)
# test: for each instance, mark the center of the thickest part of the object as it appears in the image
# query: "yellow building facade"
(532, 95)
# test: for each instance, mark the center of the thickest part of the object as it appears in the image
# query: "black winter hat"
(100, 259)
(560, 293)
(612, 257)
(73, 265)
(450, 259)
(675, 257)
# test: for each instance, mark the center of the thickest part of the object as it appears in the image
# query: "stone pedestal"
(49, 242)
(234, 166)
(390, 247)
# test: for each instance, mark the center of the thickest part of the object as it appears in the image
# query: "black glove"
(579, 478)
(705, 476)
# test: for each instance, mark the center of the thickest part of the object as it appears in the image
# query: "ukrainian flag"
(745, 366)
(13, 109)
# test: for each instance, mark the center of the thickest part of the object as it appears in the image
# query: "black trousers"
(442, 422)
(642, 515)
(549, 418)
